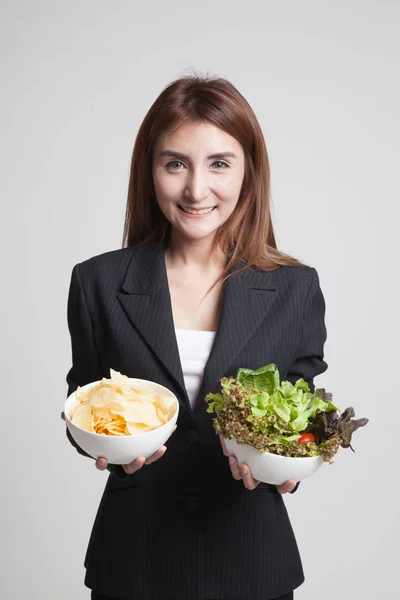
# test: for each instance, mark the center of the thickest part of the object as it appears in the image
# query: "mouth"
(200, 211)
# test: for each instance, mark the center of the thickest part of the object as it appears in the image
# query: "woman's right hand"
(135, 465)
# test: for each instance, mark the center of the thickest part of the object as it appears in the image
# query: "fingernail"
(231, 460)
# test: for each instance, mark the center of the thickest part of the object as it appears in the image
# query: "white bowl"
(122, 449)
(273, 468)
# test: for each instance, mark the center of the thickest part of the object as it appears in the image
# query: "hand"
(135, 465)
(243, 472)
(239, 472)
(286, 487)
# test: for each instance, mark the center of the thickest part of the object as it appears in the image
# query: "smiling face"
(199, 167)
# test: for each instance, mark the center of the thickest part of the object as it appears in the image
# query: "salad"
(282, 418)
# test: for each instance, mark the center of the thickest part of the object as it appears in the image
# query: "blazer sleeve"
(310, 357)
(86, 366)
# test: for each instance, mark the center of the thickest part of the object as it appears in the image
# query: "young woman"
(198, 290)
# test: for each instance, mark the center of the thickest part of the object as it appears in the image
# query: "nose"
(197, 185)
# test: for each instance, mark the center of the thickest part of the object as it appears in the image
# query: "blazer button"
(192, 436)
(192, 504)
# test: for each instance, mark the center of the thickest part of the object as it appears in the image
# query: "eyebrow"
(173, 154)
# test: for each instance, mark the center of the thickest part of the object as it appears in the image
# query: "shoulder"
(102, 262)
(301, 285)
(106, 272)
(293, 277)
(299, 274)
(111, 265)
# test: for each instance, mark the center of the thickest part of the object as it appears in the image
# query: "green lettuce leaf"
(216, 402)
(265, 379)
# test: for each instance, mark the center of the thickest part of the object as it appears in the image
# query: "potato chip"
(115, 407)
(83, 417)
(103, 397)
(138, 412)
(167, 405)
(137, 428)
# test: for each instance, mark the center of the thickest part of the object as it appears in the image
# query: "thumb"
(286, 487)
(101, 464)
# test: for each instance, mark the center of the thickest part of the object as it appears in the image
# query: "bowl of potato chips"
(121, 418)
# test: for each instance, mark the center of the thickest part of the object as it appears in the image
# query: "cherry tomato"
(306, 437)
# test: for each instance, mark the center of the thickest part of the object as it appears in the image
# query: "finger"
(101, 463)
(286, 487)
(233, 463)
(249, 482)
(134, 466)
(155, 456)
(224, 449)
(63, 416)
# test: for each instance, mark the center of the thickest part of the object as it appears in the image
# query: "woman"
(198, 290)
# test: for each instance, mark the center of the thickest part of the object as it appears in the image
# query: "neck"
(183, 252)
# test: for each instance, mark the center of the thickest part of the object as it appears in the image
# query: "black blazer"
(182, 527)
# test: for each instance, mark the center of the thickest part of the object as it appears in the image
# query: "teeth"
(198, 212)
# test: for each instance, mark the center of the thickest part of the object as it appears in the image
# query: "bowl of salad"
(280, 430)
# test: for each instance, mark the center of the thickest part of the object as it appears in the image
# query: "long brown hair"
(248, 234)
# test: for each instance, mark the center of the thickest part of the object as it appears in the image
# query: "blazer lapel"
(146, 299)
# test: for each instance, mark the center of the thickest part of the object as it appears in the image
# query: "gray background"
(77, 79)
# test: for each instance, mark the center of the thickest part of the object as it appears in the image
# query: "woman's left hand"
(243, 472)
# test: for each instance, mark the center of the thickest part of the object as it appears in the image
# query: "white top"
(194, 349)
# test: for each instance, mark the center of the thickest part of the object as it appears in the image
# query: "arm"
(86, 366)
(310, 357)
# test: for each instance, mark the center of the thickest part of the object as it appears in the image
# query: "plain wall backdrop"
(77, 79)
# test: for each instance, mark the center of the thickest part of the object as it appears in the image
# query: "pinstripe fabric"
(183, 527)
(98, 596)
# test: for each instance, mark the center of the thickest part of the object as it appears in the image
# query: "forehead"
(197, 138)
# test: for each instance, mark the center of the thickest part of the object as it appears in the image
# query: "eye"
(221, 162)
(174, 162)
